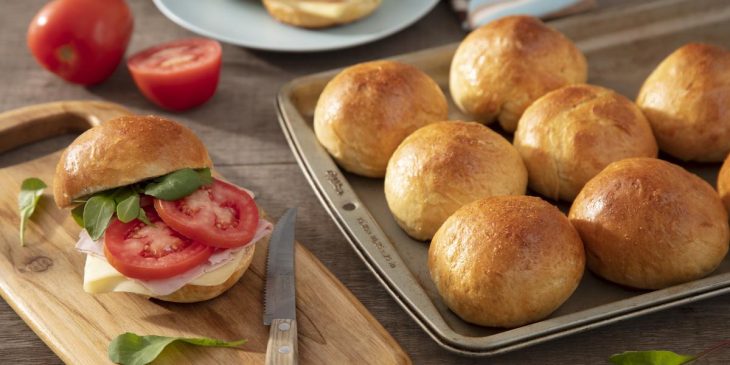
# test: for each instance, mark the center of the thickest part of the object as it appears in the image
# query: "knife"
(279, 294)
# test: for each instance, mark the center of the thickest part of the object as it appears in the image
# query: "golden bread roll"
(319, 13)
(723, 183)
(569, 135)
(365, 112)
(445, 165)
(685, 99)
(123, 151)
(502, 67)
(650, 224)
(506, 261)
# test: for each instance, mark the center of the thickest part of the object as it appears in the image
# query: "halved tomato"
(178, 75)
(151, 252)
(218, 214)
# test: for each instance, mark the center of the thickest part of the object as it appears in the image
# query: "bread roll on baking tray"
(365, 112)
(445, 165)
(569, 135)
(686, 100)
(723, 183)
(650, 224)
(502, 67)
(506, 261)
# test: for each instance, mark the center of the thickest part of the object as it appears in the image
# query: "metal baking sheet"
(622, 47)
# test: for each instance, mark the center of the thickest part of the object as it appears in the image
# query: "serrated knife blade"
(280, 294)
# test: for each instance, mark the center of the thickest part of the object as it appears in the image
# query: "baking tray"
(622, 47)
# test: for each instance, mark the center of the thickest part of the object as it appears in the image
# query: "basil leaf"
(205, 176)
(650, 358)
(131, 349)
(121, 194)
(98, 211)
(31, 190)
(78, 214)
(143, 217)
(178, 184)
(128, 209)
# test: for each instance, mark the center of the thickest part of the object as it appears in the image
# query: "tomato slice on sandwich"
(150, 252)
(219, 215)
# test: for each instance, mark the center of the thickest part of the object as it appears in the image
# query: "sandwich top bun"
(365, 112)
(650, 224)
(445, 165)
(123, 151)
(319, 13)
(569, 135)
(502, 67)
(506, 261)
(685, 99)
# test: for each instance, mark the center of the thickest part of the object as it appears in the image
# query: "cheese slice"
(330, 9)
(100, 277)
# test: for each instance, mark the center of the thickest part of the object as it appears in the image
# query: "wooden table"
(240, 129)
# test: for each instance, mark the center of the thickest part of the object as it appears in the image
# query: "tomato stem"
(66, 53)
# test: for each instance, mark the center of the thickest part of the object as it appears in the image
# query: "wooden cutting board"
(43, 280)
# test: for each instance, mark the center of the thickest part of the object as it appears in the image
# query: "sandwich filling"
(101, 277)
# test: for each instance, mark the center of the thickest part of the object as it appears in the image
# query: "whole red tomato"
(81, 41)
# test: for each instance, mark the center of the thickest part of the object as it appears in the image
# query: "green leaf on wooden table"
(30, 193)
(131, 349)
(178, 184)
(659, 357)
(98, 211)
(78, 214)
(128, 209)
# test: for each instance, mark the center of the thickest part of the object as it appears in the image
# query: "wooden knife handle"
(282, 347)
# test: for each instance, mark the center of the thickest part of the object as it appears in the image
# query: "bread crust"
(365, 112)
(445, 165)
(198, 293)
(570, 134)
(123, 151)
(289, 12)
(506, 261)
(723, 183)
(502, 67)
(685, 99)
(650, 224)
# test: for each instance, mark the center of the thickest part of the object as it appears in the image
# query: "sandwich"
(155, 221)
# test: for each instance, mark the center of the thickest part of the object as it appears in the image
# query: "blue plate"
(246, 23)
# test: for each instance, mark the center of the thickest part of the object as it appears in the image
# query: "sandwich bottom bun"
(198, 293)
(506, 261)
(650, 224)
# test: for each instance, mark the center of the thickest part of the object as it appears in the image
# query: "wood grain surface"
(240, 128)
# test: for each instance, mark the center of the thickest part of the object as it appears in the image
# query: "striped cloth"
(474, 13)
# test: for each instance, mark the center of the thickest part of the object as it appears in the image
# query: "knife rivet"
(284, 326)
(284, 349)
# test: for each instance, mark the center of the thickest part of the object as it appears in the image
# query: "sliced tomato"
(151, 252)
(219, 214)
(178, 75)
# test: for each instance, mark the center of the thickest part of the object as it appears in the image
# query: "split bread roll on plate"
(650, 224)
(366, 111)
(506, 261)
(445, 165)
(686, 100)
(319, 13)
(570, 134)
(502, 67)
